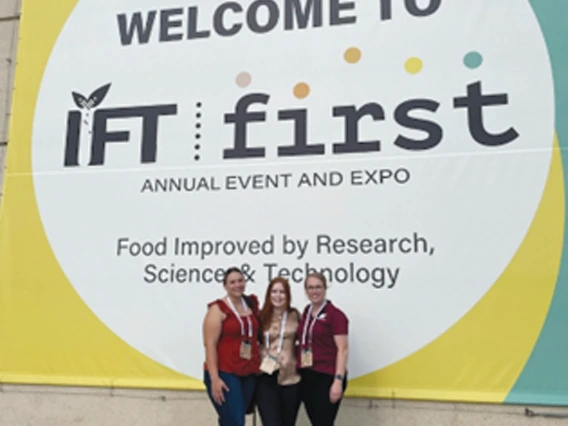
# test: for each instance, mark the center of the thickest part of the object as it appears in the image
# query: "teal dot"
(473, 60)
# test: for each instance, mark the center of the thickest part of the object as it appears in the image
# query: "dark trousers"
(241, 391)
(278, 405)
(315, 396)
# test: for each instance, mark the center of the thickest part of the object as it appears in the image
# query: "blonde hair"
(317, 275)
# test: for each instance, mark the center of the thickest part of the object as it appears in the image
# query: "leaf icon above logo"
(97, 96)
(79, 99)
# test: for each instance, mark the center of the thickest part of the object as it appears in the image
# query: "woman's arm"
(342, 354)
(211, 332)
(336, 390)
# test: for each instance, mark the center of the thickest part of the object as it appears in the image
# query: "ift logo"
(98, 131)
(474, 102)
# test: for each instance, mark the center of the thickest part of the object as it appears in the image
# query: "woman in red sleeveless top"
(232, 359)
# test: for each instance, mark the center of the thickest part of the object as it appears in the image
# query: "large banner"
(412, 151)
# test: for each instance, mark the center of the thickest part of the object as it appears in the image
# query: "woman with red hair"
(278, 385)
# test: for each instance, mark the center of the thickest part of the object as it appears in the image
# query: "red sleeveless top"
(229, 344)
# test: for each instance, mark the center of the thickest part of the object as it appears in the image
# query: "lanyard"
(240, 319)
(281, 341)
(308, 318)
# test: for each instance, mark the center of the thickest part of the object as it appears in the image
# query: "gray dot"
(243, 79)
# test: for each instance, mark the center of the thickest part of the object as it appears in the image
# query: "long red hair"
(265, 314)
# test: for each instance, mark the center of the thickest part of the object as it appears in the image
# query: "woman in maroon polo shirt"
(323, 351)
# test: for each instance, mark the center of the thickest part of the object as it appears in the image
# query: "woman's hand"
(217, 388)
(336, 391)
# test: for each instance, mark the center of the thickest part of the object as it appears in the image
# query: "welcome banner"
(411, 151)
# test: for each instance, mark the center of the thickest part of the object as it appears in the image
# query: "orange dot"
(352, 55)
(301, 90)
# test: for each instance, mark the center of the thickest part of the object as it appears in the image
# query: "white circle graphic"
(439, 229)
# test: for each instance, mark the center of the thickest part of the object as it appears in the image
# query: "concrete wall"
(37, 406)
(49, 406)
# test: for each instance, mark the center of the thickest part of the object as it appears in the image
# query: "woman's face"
(278, 296)
(315, 290)
(235, 284)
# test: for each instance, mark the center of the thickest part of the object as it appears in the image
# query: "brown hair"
(317, 275)
(229, 271)
(265, 314)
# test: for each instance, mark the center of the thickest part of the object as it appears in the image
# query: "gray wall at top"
(9, 20)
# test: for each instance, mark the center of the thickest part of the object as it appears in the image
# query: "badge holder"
(269, 364)
(246, 351)
(307, 358)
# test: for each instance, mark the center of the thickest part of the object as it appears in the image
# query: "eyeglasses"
(312, 288)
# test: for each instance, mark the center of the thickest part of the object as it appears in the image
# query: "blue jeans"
(241, 392)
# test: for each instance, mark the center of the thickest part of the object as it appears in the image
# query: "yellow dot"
(352, 55)
(413, 65)
(301, 90)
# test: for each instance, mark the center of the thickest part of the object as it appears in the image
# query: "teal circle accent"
(473, 60)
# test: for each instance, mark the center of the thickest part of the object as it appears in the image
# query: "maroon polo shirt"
(330, 322)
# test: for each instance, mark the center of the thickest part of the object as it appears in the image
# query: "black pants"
(277, 405)
(315, 396)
